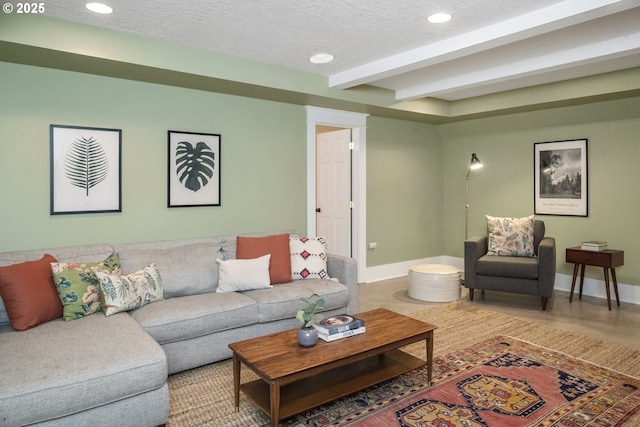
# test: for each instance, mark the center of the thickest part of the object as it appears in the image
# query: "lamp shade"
(475, 162)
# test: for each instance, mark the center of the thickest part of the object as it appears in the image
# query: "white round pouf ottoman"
(434, 282)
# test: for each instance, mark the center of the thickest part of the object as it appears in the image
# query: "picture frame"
(561, 178)
(85, 170)
(193, 169)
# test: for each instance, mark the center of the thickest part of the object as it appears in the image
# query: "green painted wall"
(404, 191)
(263, 165)
(415, 171)
(263, 151)
(504, 187)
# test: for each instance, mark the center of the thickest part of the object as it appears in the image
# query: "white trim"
(358, 123)
(595, 288)
(592, 287)
(391, 271)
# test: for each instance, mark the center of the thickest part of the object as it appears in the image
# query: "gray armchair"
(532, 276)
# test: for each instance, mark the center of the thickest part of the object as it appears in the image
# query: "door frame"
(358, 124)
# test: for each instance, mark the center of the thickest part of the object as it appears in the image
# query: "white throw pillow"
(308, 258)
(244, 274)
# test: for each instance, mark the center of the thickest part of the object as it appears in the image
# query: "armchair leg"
(471, 294)
(544, 303)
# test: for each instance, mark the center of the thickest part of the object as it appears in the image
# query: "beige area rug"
(204, 396)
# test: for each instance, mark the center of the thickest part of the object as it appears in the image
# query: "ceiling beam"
(532, 66)
(541, 21)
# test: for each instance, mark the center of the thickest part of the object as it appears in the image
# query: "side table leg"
(429, 356)
(236, 382)
(615, 285)
(582, 278)
(606, 285)
(573, 281)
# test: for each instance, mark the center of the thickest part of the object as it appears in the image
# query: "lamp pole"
(475, 163)
(466, 205)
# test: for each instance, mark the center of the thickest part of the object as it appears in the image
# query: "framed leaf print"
(193, 169)
(85, 170)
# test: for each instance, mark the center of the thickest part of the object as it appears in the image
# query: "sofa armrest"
(546, 265)
(474, 248)
(345, 270)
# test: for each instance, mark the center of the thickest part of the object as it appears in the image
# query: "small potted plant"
(307, 334)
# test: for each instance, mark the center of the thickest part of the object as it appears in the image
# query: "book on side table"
(594, 245)
(341, 326)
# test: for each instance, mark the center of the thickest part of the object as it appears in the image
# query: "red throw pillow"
(277, 246)
(29, 294)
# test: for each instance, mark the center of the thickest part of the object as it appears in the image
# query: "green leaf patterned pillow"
(77, 285)
(124, 293)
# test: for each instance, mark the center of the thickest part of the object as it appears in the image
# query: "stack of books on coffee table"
(341, 326)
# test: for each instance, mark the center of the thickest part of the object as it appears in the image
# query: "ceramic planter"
(307, 337)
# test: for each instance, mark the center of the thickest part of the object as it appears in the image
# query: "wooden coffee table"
(294, 378)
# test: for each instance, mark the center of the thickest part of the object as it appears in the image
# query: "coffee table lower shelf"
(338, 382)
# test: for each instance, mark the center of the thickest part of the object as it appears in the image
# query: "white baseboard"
(391, 271)
(596, 288)
(592, 287)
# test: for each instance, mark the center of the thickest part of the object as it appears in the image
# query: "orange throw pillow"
(29, 294)
(277, 246)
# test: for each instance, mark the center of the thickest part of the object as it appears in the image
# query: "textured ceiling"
(489, 45)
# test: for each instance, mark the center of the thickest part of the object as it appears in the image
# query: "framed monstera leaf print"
(85, 170)
(194, 169)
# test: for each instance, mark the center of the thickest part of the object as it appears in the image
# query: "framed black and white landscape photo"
(560, 178)
(193, 169)
(85, 169)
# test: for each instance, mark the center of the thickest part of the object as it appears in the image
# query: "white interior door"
(333, 190)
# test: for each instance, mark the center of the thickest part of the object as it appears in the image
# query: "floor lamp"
(474, 164)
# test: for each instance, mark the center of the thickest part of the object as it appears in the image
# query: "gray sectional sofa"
(112, 371)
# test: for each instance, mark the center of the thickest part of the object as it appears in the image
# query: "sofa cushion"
(85, 364)
(78, 287)
(244, 274)
(308, 258)
(277, 246)
(511, 236)
(283, 301)
(82, 253)
(131, 291)
(185, 270)
(183, 318)
(29, 295)
(504, 266)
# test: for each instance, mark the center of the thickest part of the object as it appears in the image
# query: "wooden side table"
(608, 259)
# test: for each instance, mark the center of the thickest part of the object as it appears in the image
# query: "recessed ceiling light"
(99, 8)
(321, 58)
(439, 18)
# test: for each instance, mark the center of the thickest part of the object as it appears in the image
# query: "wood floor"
(589, 316)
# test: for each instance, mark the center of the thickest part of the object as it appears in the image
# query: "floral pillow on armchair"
(511, 236)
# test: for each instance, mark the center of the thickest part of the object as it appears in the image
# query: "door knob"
(318, 210)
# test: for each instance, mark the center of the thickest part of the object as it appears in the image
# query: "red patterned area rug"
(499, 382)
